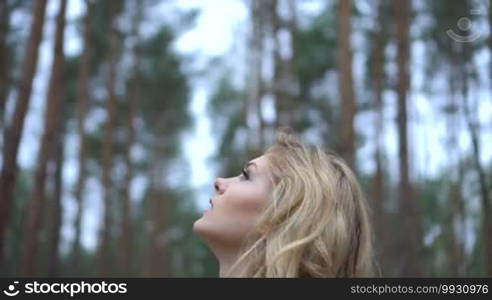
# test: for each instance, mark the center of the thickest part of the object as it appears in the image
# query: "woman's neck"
(226, 258)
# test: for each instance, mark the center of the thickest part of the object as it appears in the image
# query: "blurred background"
(117, 116)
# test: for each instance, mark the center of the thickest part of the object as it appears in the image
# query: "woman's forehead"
(259, 163)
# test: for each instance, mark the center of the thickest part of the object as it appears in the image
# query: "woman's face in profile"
(236, 206)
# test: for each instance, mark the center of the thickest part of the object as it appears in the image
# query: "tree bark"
(4, 54)
(411, 237)
(285, 87)
(490, 44)
(82, 108)
(108, 145)
(293, 85)
(160, 243)
(13, 132)
(347, 96)
(254, 118)
(456, 219)
(126, 239)
(484, 188)
(159, 208)
(378, 192)
(281, 100)
(53, 102)
(56, 199)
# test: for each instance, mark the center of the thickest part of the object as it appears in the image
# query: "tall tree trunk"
(284, 83)
(126, 239)
(46, 151)
(56, 199)
(411, 237)
(4, 54)
(347, 96)
(53, 102)
(457, 254)
(82, 108)
(378, 192)
(281, 100)
(254, 118)
(280, 107)
(456, 219)
(293, 85)
(108, 145)
(257, 65)
(490, 44)
(13, 132)
(160, 262)
(484, 188)
(159, 213)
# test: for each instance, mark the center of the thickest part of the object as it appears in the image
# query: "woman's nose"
(219, 185)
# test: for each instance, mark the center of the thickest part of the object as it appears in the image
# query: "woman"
(295, 211)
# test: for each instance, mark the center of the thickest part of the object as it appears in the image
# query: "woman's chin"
(199, 226)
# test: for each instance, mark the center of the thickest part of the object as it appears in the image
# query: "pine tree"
(54, 100)
(13, 132)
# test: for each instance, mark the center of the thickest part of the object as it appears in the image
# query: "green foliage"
(443, 52)
(17, 218)
(164, 87)
(316, 50)
(70, 79)
(226, 107)
(191, 257)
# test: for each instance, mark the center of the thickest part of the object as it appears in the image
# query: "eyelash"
(245, 174)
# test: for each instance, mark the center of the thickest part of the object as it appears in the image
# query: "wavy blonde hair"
(316, 222)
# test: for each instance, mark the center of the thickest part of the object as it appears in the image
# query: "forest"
(117, 116)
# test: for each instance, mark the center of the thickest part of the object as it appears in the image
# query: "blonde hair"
(316, 222)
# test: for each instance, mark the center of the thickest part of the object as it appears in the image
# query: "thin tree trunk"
(82, 108)
(284, 83)
(456, 220)
(281, 119)
(293, 85)
(56, 221)
(56, 217)
(487, 222)
(259, 33)
(36, 205)
(379, 195)
(126, 239)
(159, 264)
(281, 100)
(347, 96)
(13, 132)
(411, 237)
(108, 145)
(254, 118)
(490, 44)
(484, 189)
(4, 54)
(457, 263)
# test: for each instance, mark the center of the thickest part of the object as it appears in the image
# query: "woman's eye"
(245, 174)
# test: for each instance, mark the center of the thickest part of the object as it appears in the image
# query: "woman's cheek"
(247, 209)
(243, 201)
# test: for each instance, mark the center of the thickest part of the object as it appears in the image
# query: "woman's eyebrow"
(250, 164)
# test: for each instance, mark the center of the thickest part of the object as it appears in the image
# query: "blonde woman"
(295, 211)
